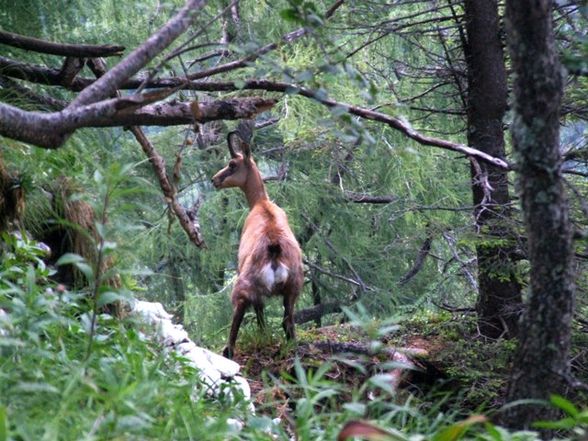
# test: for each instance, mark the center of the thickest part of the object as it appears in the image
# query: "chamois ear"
(232, 142)
(246, 150)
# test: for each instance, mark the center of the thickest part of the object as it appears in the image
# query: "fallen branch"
(24, 93)
(315, 312)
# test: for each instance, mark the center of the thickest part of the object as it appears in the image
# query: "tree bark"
(499, 292)
(541, 366)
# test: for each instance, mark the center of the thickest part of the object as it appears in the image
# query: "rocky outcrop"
(219, 374)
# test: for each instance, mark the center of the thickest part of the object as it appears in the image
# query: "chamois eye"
(232, 165)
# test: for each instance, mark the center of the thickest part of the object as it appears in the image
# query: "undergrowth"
(128, 389)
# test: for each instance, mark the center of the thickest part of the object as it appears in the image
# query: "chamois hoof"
(228, 352)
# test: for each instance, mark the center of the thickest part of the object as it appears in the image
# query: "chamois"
(270, 260)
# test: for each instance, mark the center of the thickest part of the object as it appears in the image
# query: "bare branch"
(40, 74)
(331, 274)
(174, 113)
(27, 94)
(64, 49)
(191, 227)
(395, 123)
(361, 198)
(50, 130)
(70, 69)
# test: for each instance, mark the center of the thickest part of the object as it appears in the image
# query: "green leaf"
(69, 259)
(582, 417)
(457, 430)
(3, 424)
(493, 432)
(565, 405)
(108, 297)
(36, 387)
(85, 269)
(566, 423)
(290, 14)
(355, 407)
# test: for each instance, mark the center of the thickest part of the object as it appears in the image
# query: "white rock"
(171, 334)
(241, 383)
(234, 424)
(210, 376)
(3, 318)
(228, 368)
(218, 373)
(185, 347)
(151, 312)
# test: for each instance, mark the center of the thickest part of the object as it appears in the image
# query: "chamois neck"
(254, 188)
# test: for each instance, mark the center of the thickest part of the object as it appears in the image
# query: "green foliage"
(575, 420)
(126, 388)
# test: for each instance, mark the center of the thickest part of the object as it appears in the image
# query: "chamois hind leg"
(240, 305)
(288, 322)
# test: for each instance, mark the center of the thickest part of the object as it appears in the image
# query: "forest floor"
(441, 354)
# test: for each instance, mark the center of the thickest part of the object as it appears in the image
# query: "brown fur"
(266, 239)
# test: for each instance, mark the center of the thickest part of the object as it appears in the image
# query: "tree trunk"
(499, 295)
(541, 366)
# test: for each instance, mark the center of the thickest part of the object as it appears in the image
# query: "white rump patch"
(270, 278)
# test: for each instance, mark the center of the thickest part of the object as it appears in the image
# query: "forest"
(403, 254)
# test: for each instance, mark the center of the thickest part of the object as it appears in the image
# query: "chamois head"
(236, 173)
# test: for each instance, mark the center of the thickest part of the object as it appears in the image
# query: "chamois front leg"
(240, 305)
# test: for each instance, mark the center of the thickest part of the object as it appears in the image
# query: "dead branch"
(176, 113)
(362, 198)
(315, 312)
(64, 49)
(24, 93)
(40, 74)
(395, 123)
(332, 274)
(418, 262)
(190, 226)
